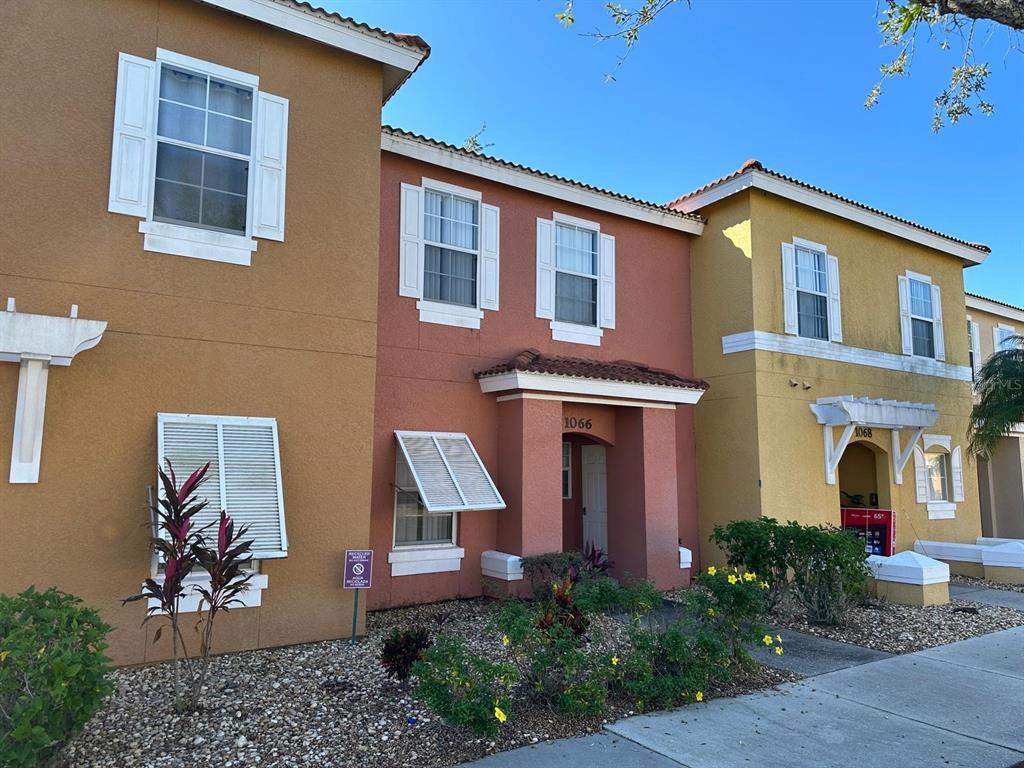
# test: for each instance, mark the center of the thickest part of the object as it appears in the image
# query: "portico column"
(530, 476)
(643, 511)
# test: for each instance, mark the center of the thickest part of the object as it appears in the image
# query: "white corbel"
(900, 456)
(834, 452)
(36, 342)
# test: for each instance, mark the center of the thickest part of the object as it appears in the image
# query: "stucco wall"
(425, 371)
(293, 336)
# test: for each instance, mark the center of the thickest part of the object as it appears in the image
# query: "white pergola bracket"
(900, 456)
(834, 452)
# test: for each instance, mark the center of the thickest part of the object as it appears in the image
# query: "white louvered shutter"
(606, 278)
(252, 485)
(835, 313)
(475, 484)
(940, 339)
(270, 160)
(906, 327)
(789, 289)
(188, 445)
(134, 136)
(490, 240)
(433, 480)
(545, 269)
(410, 267)
(956, 459)
(448, 472)
(920, 476)
(976, 347)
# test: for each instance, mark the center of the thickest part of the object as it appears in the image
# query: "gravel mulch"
(972, 581)
(896, 628)
(323, 704)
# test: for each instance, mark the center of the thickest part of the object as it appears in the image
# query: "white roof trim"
(484, 168)
(994, 308)
(579, 385)
(823, 202)
(871, 412)
(422, 466)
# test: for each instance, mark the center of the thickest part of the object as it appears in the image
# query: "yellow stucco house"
(990, 326)
(832, 336)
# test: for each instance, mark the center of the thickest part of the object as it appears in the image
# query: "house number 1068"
(573, 422)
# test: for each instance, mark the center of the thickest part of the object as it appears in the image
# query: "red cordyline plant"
(182, 546)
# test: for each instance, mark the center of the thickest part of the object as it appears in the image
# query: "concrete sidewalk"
(957, 705)
(976, 594)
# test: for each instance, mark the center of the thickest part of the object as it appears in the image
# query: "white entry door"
(595, 496)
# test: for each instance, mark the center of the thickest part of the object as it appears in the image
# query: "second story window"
(450, 237)
(575, 275)
(1002, 337)
(921, 316)
(810, 281)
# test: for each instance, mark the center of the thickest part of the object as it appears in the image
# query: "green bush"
(732, 604)
(761, 546)
(464, 689)
(540, 571)
(53, 674)
(829, 572)
(605, 595)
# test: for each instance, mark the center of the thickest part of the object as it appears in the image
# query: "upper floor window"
(1002, 337)
(575, 278)
(199, 154)
(448, 257)
(921, 316)
(811, 304)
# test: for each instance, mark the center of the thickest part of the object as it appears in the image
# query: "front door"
(595, 496)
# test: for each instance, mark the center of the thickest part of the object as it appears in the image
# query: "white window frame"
(567, 468)
(940, 509)
(791, 291)
(973, 347)
(410, 559)
(907, 316)
(997, 335)
(575, 332)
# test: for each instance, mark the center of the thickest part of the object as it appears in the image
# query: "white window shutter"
(995, 339)
(546, 269)
(410, 268)
(490, 240)
(835, 313)
(906, 328)
(606, 280)
(957, 469)
(789, 288)
(940, 341)
(270, 160)
(134, 136)
(920, 476)
(976, 346)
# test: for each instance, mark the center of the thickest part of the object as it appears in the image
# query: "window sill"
(576, 334)
(189, 603)
(196, 243)
(941, 510)
(409, 561)
(449, 314)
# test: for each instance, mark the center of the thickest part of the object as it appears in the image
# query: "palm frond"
(1000, 406)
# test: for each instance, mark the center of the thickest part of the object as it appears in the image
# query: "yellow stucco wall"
(765, 396)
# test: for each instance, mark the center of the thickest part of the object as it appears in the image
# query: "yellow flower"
(778, 650)
(504, 640)
(499, 713)
(778, 638)
(748, 576)
(615, 661)
(767, 639)
(711, 611)
(732, 578)
(4, 655)
(712, 570)
(700, 695)
(764, 585)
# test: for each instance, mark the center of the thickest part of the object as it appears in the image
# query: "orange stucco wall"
(292, 337)
(425, 371)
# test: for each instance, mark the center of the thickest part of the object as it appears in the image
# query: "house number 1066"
(573, 422)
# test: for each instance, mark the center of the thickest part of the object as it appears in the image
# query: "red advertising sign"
(877, 528)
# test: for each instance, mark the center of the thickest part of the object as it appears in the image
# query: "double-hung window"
(1002, 337)
(199, 154)
(575, 278)
(938, 466)
(448, 253)
(566, 470)
(921, 316)
(810, 281)
(938, 476)
(413, 524)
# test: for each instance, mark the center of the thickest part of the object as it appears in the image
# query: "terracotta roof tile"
(391, 130)
(757, 165)
(532, 361)
(411, 41)
(994, 301)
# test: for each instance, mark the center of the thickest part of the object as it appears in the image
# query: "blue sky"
(707, 88)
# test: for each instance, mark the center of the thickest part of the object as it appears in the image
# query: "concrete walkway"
(957, 705)
(975, 594)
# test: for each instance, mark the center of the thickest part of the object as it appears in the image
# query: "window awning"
(869, 412)
(448, 472)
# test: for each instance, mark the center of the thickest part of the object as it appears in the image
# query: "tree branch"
(1007, 12)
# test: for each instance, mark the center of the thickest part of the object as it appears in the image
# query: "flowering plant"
(734, 604)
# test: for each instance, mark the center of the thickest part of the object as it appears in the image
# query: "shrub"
(540, 571)
(761, 546)
(829, 572)
(464, 689)
(733, 605)
(53, 674)
(401, 649)
(605, 594)
(595, 562)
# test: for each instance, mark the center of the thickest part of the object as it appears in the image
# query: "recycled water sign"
(358, 568)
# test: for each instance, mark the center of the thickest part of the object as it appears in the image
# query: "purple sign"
(358, 568)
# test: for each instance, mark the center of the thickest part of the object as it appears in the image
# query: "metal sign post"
(358, 575)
